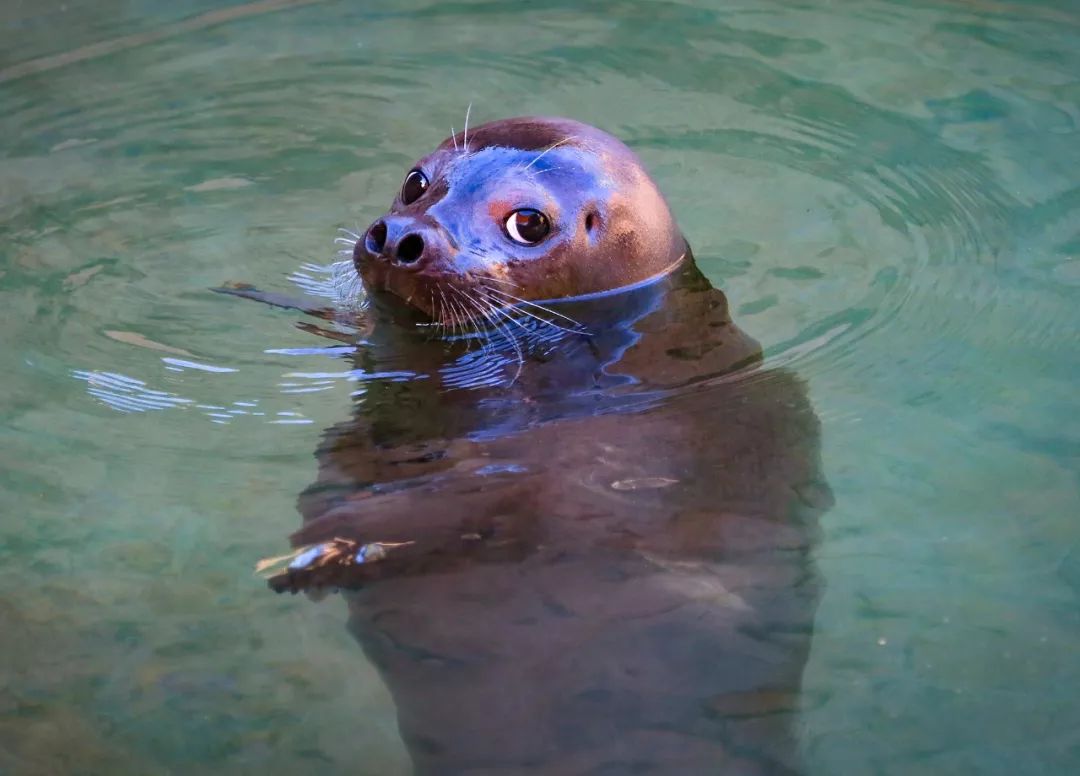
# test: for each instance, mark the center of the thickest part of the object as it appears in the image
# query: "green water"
(888, 192)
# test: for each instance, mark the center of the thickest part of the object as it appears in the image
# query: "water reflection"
(592, 558)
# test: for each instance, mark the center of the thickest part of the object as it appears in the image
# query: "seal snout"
(407, 243)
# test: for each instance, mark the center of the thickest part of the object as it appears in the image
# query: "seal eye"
(527, 226)
(413, 188)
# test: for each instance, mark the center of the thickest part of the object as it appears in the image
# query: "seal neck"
(653, 334)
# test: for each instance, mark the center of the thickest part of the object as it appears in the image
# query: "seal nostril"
(376, 237)
(410, 249)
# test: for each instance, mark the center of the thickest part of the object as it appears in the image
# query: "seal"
(586, 545)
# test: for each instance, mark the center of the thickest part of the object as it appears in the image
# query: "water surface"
(887, 192)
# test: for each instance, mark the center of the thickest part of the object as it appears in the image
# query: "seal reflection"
(600, 544)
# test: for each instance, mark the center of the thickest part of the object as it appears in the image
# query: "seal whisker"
(478, 302)
(453, 136)
(467, 318)
(350, 290)
(431, 297)
(475, 316)
(541, 307)
(504, 312)
(510, 283)
(470, 317)
(349, 233)
(447, 316)
(537, 318)
(432, 328)
(482, 304)
(452, 312)
(485, 340)
(515, 343)
(470, 305)
(443, 325)
(474, 304)
(346, 240)
(494, 313)
(465, 139)
(551, 147)
(461, 316)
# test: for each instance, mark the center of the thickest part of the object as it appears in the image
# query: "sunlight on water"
(887, 192)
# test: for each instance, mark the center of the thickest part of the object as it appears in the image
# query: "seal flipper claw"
(327, 565)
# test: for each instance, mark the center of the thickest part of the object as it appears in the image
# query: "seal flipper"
(245, 291)
(285, 302)
(449, 521)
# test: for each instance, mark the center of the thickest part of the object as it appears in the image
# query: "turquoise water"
(889, 194)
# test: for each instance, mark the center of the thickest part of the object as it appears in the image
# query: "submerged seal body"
(600, 520)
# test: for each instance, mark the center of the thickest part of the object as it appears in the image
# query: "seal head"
(527, 208)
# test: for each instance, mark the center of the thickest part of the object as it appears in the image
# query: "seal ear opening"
(592, 223)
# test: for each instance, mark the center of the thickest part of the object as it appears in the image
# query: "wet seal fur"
(603, 564)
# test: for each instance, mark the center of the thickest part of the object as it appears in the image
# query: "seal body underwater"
(601, 508)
